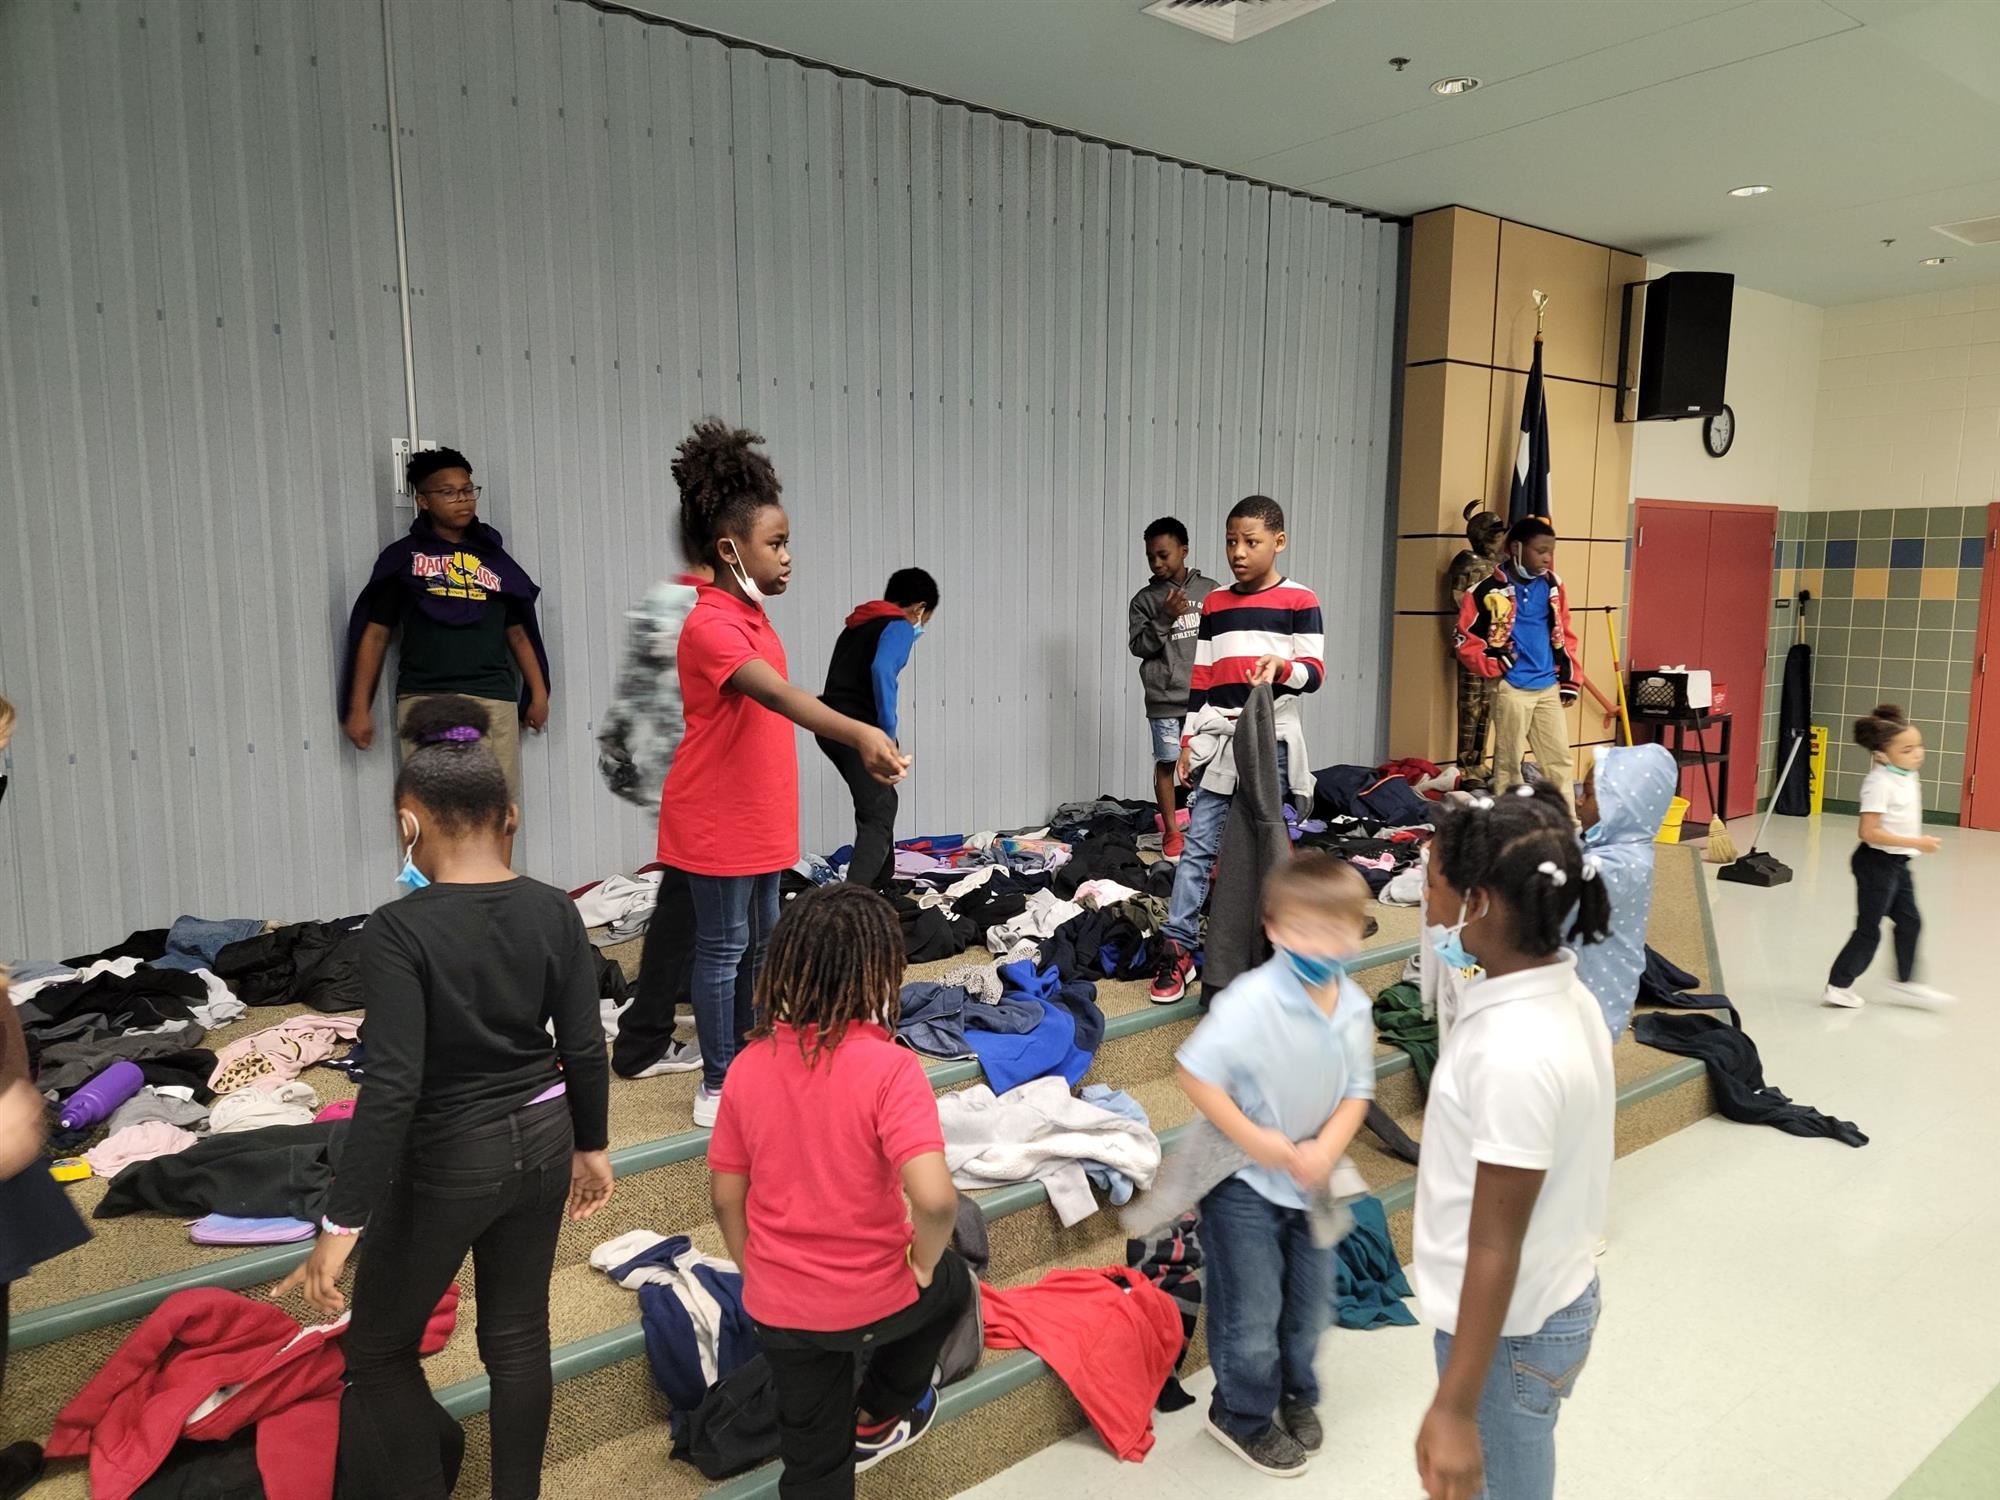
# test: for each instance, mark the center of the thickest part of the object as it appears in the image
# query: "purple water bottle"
(104, 1093)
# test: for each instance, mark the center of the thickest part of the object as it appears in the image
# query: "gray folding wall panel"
(982, 347)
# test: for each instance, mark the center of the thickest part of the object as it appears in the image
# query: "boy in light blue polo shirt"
(1284, 1066)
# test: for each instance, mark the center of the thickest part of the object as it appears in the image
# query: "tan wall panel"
(1611, 502)
(1453, 255)
(1572, 446)
(1595, 573)
(1420, 572)
(1623, 268)
(1423, 698)
(1444, 460)
(1574, 274)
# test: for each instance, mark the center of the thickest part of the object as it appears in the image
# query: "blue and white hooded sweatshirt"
(1634, 785)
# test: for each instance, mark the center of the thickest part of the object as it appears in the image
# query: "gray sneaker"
(1302, 1422)
(1273, 1451)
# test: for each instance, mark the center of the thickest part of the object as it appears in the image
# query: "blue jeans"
(1524, 1392)
(1268, 1292)
(1208, 815)
(733, 918)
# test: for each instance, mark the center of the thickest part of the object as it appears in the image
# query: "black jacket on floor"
(1738, 1075)
(279, 1172)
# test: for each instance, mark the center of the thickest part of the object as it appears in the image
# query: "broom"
(1618, 673)
(1720, 850)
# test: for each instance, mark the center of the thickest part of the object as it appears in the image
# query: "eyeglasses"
(472, 492)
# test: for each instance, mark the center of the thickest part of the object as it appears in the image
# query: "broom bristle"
(1720, 850)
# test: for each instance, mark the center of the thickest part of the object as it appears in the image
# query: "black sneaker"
(20, 1467)
(1302, 1422)
(1273, 1451)
(877, 1443)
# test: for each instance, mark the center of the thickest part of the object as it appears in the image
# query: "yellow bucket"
(1670, 826)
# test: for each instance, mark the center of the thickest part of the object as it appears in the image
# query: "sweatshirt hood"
(1634, 785)
(874, 609)
(1195, 575)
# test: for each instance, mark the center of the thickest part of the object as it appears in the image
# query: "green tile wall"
(1876, 637)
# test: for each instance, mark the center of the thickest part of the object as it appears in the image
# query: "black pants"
(1882, 888)
(497, 1191)
(822, 1384)
(874, 862)
(666, 963)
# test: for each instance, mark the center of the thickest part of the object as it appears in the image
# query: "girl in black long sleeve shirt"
(472, 1130)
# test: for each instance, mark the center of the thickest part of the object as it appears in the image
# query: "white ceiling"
(1621, 121)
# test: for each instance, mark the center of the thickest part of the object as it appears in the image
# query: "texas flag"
(1530, 495)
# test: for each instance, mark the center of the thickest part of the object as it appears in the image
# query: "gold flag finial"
(1541, 310)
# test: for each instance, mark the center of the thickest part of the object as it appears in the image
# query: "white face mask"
(742, 576)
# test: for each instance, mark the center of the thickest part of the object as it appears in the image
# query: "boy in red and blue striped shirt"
(1263, 629)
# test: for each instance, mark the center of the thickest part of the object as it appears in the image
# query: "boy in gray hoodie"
(1161, 627)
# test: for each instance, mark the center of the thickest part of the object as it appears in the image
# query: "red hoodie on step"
(206, 1364)
(1111, 1335)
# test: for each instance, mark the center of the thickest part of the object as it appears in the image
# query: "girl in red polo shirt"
(729, 817)
(829, 1183)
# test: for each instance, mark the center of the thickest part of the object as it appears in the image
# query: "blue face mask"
(1448, 945)
(1314, 972)
(918, 629)
(410, 878)
(1593, 835)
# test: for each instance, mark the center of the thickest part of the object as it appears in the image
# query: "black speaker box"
(1675, 346)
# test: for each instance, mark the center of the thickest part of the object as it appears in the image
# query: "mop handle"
(1783, 776)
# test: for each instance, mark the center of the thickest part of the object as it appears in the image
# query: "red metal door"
(1982, 735)
(1701, 595)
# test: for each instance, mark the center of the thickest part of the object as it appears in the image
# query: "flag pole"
(1541, 310)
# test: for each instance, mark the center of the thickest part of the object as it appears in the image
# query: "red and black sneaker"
(1173, 974)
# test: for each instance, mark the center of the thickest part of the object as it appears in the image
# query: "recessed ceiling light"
(1938, 260)
(1451, 86)
(1750, 190)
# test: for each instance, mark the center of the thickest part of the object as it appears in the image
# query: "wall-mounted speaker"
(1674, 348)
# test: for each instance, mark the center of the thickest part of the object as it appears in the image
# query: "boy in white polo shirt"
(1284, 1066)
(1517, 1146)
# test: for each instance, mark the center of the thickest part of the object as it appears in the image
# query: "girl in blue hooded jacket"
(1624, 798)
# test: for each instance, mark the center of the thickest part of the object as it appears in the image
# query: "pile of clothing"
(221, 1394)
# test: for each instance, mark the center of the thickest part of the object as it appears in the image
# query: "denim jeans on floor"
(498, 1192)
(1525, 1389)
(1208, 815)
(1268, 1293)
(733, 918)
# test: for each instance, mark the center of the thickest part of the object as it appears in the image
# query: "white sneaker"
(1846, 999)
(706, 1107)
(1920, 996)
(680, 1057)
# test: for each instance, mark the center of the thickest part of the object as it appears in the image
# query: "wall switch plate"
(400, 451)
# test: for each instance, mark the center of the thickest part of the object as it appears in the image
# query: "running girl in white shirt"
(1517, 1144)
(1892, 837)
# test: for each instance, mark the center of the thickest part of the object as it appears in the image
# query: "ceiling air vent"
(1972, 231)
(1232, 20)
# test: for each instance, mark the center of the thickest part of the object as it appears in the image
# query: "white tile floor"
(1785, 1319)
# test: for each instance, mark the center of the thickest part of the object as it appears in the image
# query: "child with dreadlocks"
(829, 1182)
(1517, 1144)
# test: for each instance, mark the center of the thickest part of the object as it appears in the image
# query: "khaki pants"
(503, 737)
(1538, 722)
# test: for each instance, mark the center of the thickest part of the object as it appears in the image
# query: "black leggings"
(666, 969)
(874, 862)
(497, 1191)
(1882, 888)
